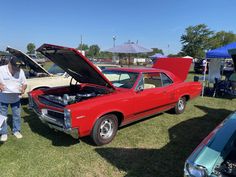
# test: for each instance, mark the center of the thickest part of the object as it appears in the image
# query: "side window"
(152, 80)
(165, 80)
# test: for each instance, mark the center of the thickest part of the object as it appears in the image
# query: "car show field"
(117, 89)
(156, 146)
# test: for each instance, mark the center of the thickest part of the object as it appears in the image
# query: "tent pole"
(204, 79)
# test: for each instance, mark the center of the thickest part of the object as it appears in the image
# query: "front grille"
(48, 116)
(56, 125)
(55, 114)
(55, 117)
(49, 103)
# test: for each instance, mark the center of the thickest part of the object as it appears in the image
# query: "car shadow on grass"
(169, 160)
(36, 126)
(89, 141)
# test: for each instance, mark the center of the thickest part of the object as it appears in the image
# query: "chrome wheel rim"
(181, 105)
(106, 129)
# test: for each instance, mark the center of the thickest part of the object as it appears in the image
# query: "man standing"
(204, 64)
(12, 85)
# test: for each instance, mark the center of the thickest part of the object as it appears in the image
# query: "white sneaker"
(18, 135)
(3, 138)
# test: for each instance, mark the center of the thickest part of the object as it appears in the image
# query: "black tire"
(180, 106)
(105, 129)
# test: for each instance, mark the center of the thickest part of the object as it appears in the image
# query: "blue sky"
(154, 23)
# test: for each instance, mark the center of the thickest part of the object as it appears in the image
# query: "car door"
(169, 88)
(150, 96)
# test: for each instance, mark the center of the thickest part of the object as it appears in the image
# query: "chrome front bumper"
(53, 122)
(57, 125)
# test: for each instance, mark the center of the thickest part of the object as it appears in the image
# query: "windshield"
(54, 69)
(121, 79)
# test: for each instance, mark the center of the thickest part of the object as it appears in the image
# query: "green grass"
(157, 146)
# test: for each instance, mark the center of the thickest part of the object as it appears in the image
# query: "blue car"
(215, 156)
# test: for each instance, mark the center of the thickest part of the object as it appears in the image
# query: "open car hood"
(75, 64)
(27, 60)
(178, 66)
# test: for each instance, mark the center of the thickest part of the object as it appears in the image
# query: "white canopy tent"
(214, 70)
(188, 57)
(215, 73)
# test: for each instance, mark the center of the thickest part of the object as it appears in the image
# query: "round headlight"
(67, 118)
(196, 171)
(66, 99)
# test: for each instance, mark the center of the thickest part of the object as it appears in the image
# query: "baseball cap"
(15, 62)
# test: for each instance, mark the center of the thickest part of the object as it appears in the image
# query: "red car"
(97, 103)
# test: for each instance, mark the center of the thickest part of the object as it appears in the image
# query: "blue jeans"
(16, 112)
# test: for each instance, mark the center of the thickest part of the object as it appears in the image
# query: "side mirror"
(139, 89)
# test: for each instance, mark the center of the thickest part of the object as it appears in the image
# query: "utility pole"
(114, 41)
(114, 44)
(81, 42)
(168, 48)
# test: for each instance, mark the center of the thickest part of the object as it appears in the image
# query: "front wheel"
(180, 106)
(105, 129)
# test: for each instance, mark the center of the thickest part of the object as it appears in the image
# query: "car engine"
(70, 97)
(66, 99)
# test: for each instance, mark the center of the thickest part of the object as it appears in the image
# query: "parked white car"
(39, 77)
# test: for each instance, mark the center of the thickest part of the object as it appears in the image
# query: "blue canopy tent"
(221, 52)
(215, 65)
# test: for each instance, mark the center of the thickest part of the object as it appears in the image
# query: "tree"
(83, 47)
(222, 38)
(175, 55)
(31, 48)
(105, 54)
(196, 40)
(156, 50)
(93, 51)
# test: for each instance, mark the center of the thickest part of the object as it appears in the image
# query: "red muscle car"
(97, 103)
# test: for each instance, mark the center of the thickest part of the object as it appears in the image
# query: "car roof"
(137, 70)
(105, 64)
